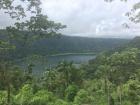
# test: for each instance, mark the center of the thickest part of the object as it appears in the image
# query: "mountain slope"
(135, 42)
(67, 44)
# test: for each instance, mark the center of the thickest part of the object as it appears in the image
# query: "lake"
(76, 58)
(51, 61)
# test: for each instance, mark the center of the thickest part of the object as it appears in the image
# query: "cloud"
(93, 18)
(90, 17)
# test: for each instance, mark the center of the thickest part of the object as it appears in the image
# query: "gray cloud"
(93, 18)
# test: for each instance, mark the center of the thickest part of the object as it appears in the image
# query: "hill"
(68, 44)
(135, 42)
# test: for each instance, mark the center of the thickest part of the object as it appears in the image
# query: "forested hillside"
(135, 42)
(67, 44)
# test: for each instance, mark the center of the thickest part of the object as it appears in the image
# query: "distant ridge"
(71, 44)
(135, 42)
(68, 44)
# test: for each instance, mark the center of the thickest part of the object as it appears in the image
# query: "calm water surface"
(77, 58)
(51, 61)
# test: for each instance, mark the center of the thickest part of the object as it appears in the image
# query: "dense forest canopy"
(112, 78)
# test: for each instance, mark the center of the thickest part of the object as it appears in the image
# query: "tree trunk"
(8, 94)
(108, 93)
(120, 95)
(105, 85)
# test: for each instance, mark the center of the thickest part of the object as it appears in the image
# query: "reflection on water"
(51, 61)
(77, 59)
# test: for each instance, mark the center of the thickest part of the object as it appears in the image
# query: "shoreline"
(61, 54)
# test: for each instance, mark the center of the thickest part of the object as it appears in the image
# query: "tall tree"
(134, 13)
(22, 33)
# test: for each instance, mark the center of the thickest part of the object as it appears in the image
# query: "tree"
(38, 26)
(3, 98)
(124, 65)
(25, 33)
(17, 9)
(131, 91)
(71, 92)
(24, 96)
(133, 15)
(83, 97)
(22, 34)
(104, 71)
(60, 102)
(70, 73)
(42, 97)
(50, 80)
(8, 78)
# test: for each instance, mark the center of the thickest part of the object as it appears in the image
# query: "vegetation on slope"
(135, 42)
(63, 44)
(109, 80)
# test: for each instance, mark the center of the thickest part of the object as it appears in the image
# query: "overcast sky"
(92, 18)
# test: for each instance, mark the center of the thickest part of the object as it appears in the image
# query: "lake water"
(76, 58)
(51, 61)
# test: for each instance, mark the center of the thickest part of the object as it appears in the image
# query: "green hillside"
(67, 44)
(135, 42)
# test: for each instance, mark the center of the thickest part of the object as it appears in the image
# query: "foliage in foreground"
(112, 80)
